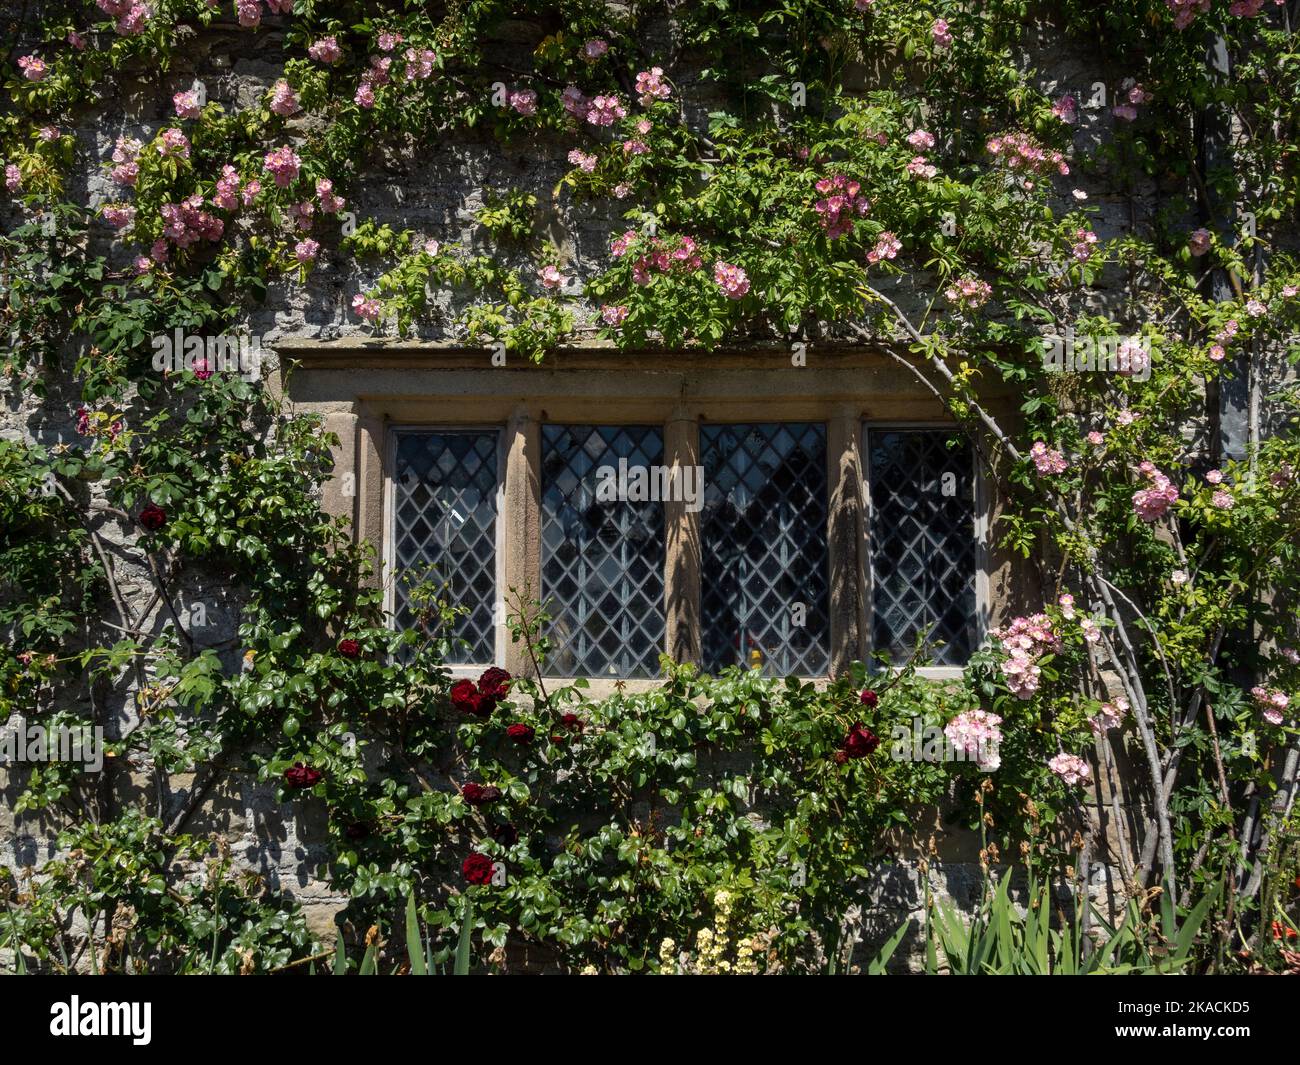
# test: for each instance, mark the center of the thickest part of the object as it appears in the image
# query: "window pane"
(922, 541)
(602, 560)
(765, 559)
(445, 514)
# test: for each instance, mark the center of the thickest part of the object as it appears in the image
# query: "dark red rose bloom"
(521, 734)
(153, 517)
(841, 757)
(572, 721)
(869, 698)
(349, 648)
(302, 776)
(494, 683)
(860, 741)
(480, 794)
(477, 869)
(465, 697)
(506, 834)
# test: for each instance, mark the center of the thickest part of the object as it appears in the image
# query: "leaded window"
(602, 551)
(922, 541)
(765, 561)
(445, 516)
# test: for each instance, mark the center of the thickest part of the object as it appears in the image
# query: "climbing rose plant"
(737, 810)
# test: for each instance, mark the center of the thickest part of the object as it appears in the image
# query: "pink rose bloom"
(1082, 251)
(1255, 308)
(302, 214)
(186, 104)
(1125, 112)
(227, 192)
(279, 7)
(1245, 8)
(48, 133)
(550, 277)
(605, 111)
(976, 732)
(34, 68)
(622, 190)
(369, 309)
(635, 147)
(939, 31)
(583, 160)
(283, 164)
(887, 247)
(1150, 504)
(174, 142)
(613, 316)
(380, 70)
(1216, 352)
(388, 41)
(619, 245)
(119, 216)
(249, 12)
(76, 40)
(920, 168)
(969, 292)
(862, 5)
(524, 102)
(326, 50)
(594, 49)
(1095, 438)
(920, 140)
(133, 21)
(1125, 417)
(1214, 476)
(143, 264)
(1070, 768)
(1185, 11)
(575, 102)
(1047, 460)
(365, 95)
(283, 101)
(305, 251)
(13, 177)
(1066, 108)
(329, 203)
(1223, 500)
(651, 86)
(1199, 242)
(251, 188)
(419, 63)
(731, 279)
(1110, 715)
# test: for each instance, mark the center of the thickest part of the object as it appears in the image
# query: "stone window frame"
(366, 389)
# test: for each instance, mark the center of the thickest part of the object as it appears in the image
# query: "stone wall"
(437, 193)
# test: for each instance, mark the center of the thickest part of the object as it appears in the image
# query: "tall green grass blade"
(414, 945)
